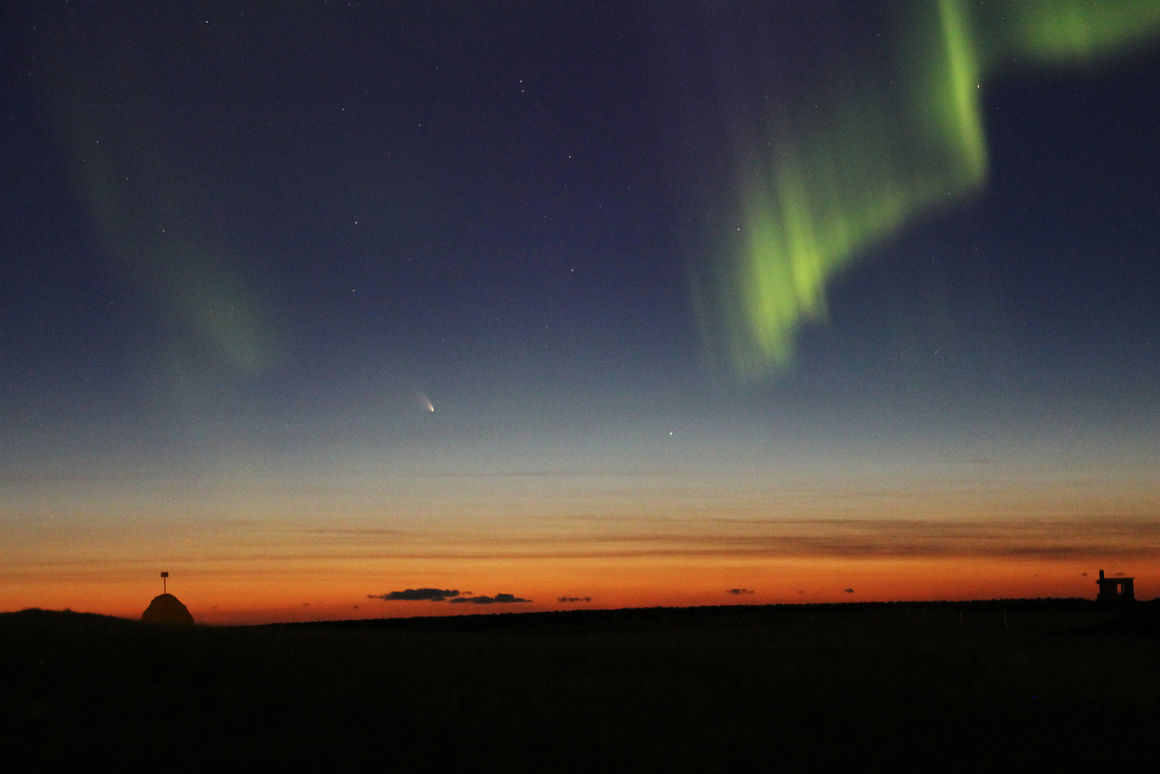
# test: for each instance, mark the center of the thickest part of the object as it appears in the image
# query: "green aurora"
(839, 175)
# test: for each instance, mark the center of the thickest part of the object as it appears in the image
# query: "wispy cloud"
(739, 592)
(573, 599)
(1083, 538)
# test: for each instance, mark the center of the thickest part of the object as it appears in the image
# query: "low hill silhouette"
(893, 687)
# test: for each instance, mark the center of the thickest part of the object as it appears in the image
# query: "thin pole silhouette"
(164, 575)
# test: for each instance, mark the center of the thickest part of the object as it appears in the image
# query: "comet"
(427, 404)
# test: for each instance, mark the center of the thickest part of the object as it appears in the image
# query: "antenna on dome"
(164, 575)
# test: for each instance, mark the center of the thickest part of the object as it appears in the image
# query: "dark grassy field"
(1028, 685)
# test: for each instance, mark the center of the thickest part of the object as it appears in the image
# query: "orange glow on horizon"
(251, 600)
(251, 551)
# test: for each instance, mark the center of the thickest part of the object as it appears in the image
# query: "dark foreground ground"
(1011, 685)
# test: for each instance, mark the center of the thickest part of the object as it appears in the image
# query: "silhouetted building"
(167, 609)
(1115, 590)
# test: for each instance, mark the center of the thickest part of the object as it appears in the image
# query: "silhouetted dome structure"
(167, 609)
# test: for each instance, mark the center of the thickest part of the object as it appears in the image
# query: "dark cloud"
(849, 591)
(739, 592)
(416, 595)
(446, 595)
(573, 599)
(497, 599)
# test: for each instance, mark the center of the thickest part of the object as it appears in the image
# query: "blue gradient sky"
(245, 246)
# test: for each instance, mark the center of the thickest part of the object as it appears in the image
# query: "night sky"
(553, 305)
